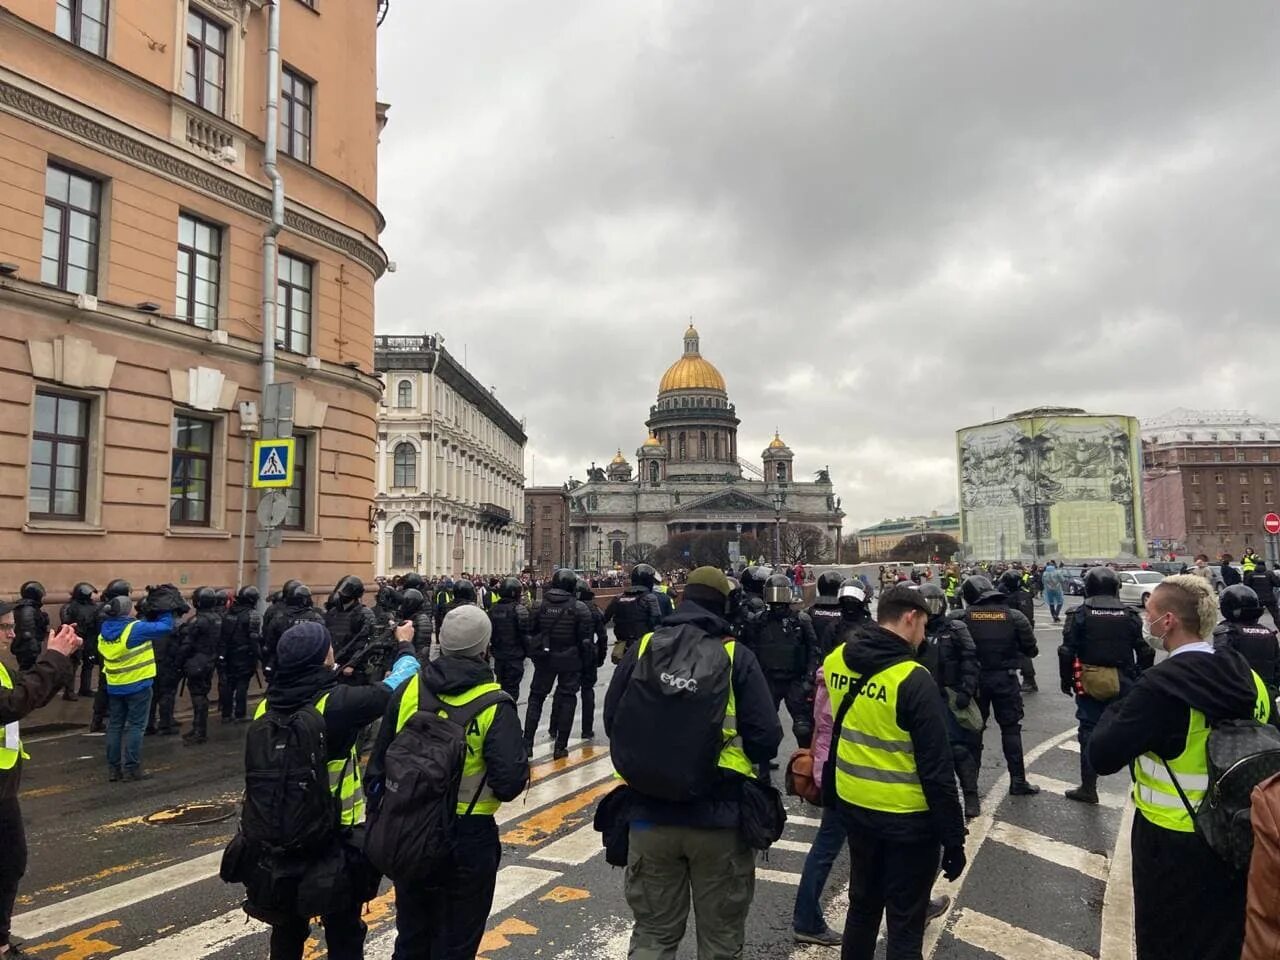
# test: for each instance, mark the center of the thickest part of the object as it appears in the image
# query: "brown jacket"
(32, 689)
(1262, 910)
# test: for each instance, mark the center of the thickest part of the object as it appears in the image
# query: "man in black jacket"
(198, 646)
(510, 619)
(1003, 637)
(241, 651)
(31, 623)
(351, 624)
(679, 849)
(304, 672)
(561, 631)
(82, 613)
(1263, 582)
(592, 660)
(1013, 586)
(413, 607)
(893, 780)
(1189, 904)
(635, 611)
(295, 607)
(1241, 631)
(786, 647)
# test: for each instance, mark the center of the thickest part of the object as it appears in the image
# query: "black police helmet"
(465, 591)
(1010, 581)
(116, 588)
(290, 588)
(754, 579)
(350, 588)
(510, 589)
(585, 593)
(248, 595)
(1240, 604)
(643, 575)
(33, 591)
(1101, 582)
(974, 587)
(934, 598)
(566, 580)
(299, 596)
(854, 594)
(829, 583)
(777, 589)
(203, 598)
(412, 581)
(83, 592)
(411, 602)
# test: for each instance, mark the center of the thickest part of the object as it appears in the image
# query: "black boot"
(1087, 792)
(1018, 785)
(972, 806)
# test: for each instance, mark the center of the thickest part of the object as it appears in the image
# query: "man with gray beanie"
(446, 915)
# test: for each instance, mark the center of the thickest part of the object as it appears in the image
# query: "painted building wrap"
(1051, 483)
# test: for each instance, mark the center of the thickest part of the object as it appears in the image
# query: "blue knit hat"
(305, 644)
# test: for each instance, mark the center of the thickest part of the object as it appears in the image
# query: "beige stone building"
(133, 207)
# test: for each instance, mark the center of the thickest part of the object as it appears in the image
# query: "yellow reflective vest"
(123, 665)
(473, 769)
(875, 758)
(10, 753)
(344, 775)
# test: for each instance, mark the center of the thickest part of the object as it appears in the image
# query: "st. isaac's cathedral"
(690, 477)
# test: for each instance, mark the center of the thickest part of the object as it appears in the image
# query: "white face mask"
(1155, 642)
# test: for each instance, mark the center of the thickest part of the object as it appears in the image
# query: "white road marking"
(804, 821)
(200, 940)
(794, 846)
(561, 785)
(1055, 851)
(778, 876)
(1115, 801)
(1009, 942)
(610, 939)
(1117, 904)
(1072, 746)
(575, 849)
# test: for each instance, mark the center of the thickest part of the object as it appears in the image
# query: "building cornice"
(30, 101)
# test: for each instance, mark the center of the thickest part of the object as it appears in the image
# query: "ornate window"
(404, 394)
(702, 445)
(402, 540)
(654, 475)
(682, 448)
(204, 80)
(405, 466)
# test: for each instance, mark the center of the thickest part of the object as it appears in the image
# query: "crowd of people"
(887, 702)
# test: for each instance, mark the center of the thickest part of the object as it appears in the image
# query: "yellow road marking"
(496, 939)
(38, 792)
(541, 826)
(565, 895)
(377, 913)
(80, 945)
(575, 757)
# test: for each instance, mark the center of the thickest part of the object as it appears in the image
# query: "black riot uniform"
(1011, 584)
(785, 644)
(561, 632)
(241, 652)
(275, 609)
(82, 613)
(1101, 632)
(161, 600)
(752, 609)
(463, 593)
(1241, 631)
(413, 607)
(1263, 583)
(295, 607)
(949, 653)
(386, 607)
(592, 660)
(200, 640)
(825, 611)
(116, 588)
(634, 612)
(1002, 636)
(509, 645)
(30, 625)
(353, 628)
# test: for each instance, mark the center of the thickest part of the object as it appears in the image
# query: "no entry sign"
(1271, 523)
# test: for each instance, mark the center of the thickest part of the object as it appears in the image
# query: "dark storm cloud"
(888, 220)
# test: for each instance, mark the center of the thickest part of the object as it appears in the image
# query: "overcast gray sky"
(888, 219)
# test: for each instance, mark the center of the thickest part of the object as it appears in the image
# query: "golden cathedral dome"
(776, 443)
(691, 371)
(653, 441)
(619, 458)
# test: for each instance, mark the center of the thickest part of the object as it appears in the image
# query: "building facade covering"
(1052, 482)
(450, 467)
(546, 511)
(134, 204)
(1208, 479)
(879, 540)
(690, 476)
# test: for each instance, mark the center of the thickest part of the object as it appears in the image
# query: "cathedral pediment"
(733, 501)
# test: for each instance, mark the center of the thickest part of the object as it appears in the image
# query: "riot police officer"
(1002, 637)
(592, 660)
(30, 625)
(561, 631)
(1240, 630)
(198, 653)
(825, 610)
(1013, 584)
(509, 644)
(635, 611)
(241, 651)
(854, 598)
(413, 607)
(1263, 582)
(443, 600)
(752, 608)
(159, 601)
(733, 605)
(1101, 656)
(82, 613)
(275, 608)
(462, 594)
(295, 607)
(949, 653)
(351, 624)
(787, 648)
(386, 607)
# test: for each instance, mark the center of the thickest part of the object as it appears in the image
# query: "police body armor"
(939, 655)
(1257, 644)
(994, 635)
(1260, 582)
(510, 620)
(631, 619)
(827, 622)
(780, 646)
(1108, 633)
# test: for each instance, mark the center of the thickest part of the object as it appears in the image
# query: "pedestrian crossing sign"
(273, 463)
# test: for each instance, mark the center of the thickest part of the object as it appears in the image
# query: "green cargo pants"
(665, 866)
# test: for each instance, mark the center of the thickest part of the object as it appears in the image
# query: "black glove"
(1068, 687)
(962, 700)
(953, 862)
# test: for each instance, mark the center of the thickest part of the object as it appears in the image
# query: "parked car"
(1073, 581)
(1136, 585)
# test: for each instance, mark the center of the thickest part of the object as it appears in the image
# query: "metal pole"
(244, 506)
(269, 242)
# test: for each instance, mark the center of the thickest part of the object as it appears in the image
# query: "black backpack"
(288, 806)
(669, 728)
(1242, 754)
(413, 816)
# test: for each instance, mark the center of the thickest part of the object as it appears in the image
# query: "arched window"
(702, 445)
(405, 473)
(682, 449)
(653, 471)
(617, 551)
(404, 394)
(402, 545)
(782, 472)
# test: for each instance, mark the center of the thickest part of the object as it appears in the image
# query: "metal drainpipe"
(269, 241)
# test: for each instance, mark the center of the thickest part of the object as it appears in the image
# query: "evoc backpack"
(669, 728)
(414, 807)
(288, 806)
(1242, 754)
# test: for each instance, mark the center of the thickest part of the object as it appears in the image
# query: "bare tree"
(639, 553)
(805, 543)
(922, 548)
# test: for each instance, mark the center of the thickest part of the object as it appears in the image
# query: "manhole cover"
(192, 815)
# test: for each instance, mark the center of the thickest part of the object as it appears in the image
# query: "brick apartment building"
(546, 512)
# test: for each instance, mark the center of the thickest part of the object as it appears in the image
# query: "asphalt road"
(130, 871)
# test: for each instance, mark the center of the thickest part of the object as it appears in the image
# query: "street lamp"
(779, 500)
